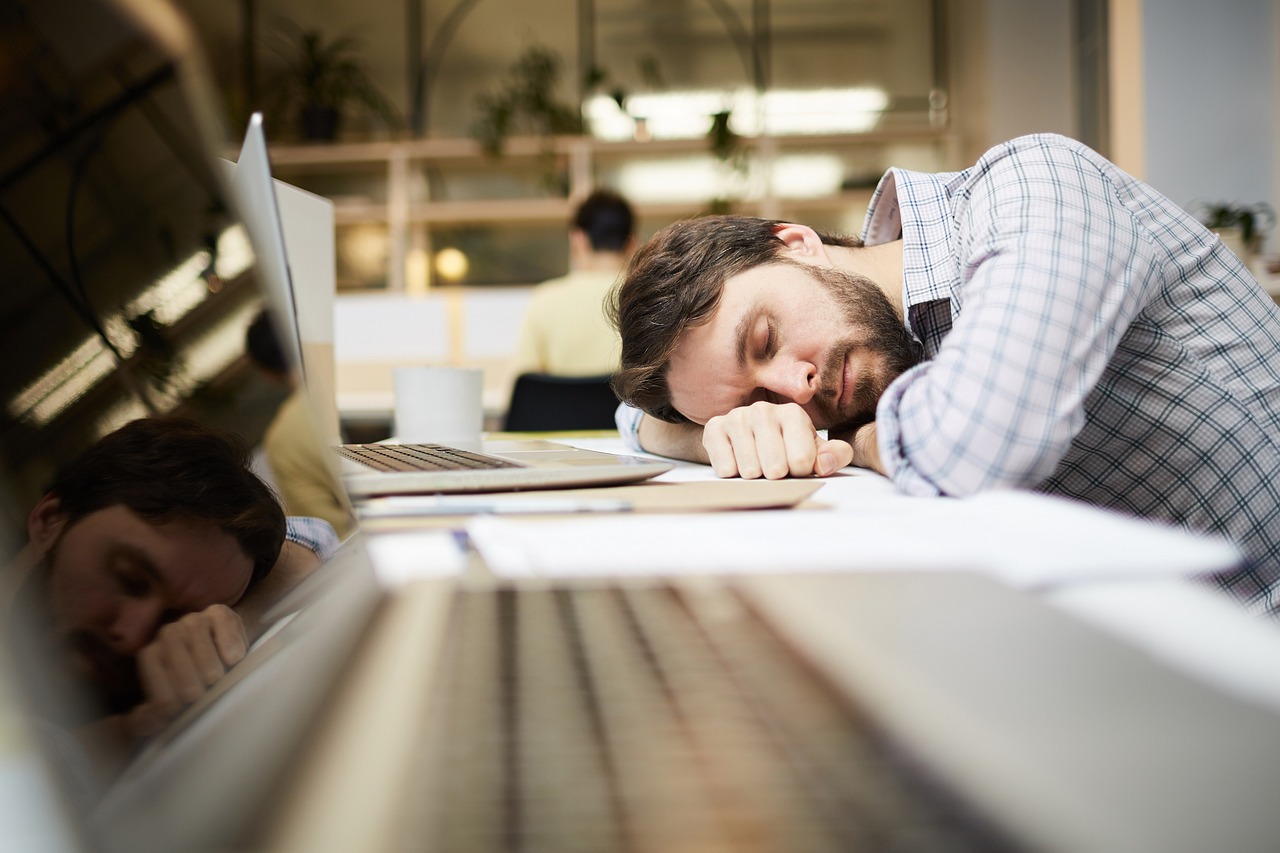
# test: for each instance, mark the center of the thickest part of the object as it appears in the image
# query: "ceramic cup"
(439, 405)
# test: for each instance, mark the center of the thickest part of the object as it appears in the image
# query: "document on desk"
(1025, 539)
(671, 497)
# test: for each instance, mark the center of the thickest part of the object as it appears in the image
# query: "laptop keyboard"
(420, 457)
(642, 719)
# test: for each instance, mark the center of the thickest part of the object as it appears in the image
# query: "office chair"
(541, 402)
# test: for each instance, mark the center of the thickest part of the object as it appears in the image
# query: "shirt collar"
(916, 206)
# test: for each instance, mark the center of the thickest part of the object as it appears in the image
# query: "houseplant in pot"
(1240, 226)
(321, 81)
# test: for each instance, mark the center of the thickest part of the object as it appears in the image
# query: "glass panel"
(821, 66)
(813, 171)
(493, 178)
(500, 254)
(674, 178)
(362, 255)
(885, 44)
(364, 183)
(649, 224)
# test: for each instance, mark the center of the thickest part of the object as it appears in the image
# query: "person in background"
(150, 564)
(300, 465)
(1041, 320)
(565, 331)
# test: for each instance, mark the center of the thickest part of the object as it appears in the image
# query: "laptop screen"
(129, 279)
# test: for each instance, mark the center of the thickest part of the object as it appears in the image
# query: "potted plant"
(321, 81)
(525, 102)
(1240, 226)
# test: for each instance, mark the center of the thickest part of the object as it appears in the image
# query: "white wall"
(1011, 72)
(1029, 68)
(1211, 97)
(1205, 86)
(373, 333)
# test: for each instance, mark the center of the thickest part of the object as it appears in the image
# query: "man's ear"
(45, 522)
(803, 243)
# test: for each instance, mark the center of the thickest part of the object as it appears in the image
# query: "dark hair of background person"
(263, 345)
(170, 468)
(673, 284)
(607, 219)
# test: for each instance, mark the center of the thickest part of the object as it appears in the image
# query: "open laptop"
(393, 468)
(906, 712)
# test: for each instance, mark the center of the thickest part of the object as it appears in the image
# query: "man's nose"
(136, 624)
(793, 380)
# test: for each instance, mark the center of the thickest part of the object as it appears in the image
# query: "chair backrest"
(542, 402)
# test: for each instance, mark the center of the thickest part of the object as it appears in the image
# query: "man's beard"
(876, 330)
(58, 657)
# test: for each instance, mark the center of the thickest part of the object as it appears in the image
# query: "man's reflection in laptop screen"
(134, 559)
(128, 284)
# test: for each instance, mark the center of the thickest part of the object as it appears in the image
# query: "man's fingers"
(188, 656)
(832, 456)
(229, 636)
(762, 440)
(164, 681)
(771, 451)
(719, 449)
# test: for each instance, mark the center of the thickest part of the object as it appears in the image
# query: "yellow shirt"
(565, 330)
(301, 469)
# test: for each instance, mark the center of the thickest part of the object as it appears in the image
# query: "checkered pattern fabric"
(1086, 337)
(313, 533)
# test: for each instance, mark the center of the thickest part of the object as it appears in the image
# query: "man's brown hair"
(168, 468)
(673, 284)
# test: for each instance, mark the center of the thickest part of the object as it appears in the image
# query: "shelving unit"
(389, 184)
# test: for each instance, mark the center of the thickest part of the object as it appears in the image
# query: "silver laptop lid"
(128, 284)
(528, 465)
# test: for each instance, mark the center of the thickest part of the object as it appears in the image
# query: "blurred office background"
(781, 108)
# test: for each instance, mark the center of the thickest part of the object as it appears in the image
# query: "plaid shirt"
(313, 533)
(1085, 337)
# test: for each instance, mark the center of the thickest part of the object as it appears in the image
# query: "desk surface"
(1181, 621)
(356, 758)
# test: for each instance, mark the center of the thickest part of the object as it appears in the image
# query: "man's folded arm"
(677, 441)
(308, 542)
(643, 433)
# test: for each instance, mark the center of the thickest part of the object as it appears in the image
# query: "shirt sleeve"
(314, 533)
(1053, 268)
(628, 420)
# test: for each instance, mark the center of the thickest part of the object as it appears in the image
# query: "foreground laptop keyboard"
(641, 720)
(420, 457)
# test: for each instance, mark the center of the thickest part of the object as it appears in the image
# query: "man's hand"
(771, 441)
(183, 661)
(866, 452)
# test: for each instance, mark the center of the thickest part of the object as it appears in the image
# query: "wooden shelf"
(396, 162)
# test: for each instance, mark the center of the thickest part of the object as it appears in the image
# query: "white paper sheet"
(1025, 539)
(403, 556)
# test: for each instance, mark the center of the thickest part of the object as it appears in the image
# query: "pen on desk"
(415, 505)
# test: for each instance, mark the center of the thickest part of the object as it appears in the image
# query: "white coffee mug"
(441, 405)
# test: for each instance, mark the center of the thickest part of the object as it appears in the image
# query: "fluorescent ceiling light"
(688, 114)
(169, 299)
(685, 180)
(806, 175)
